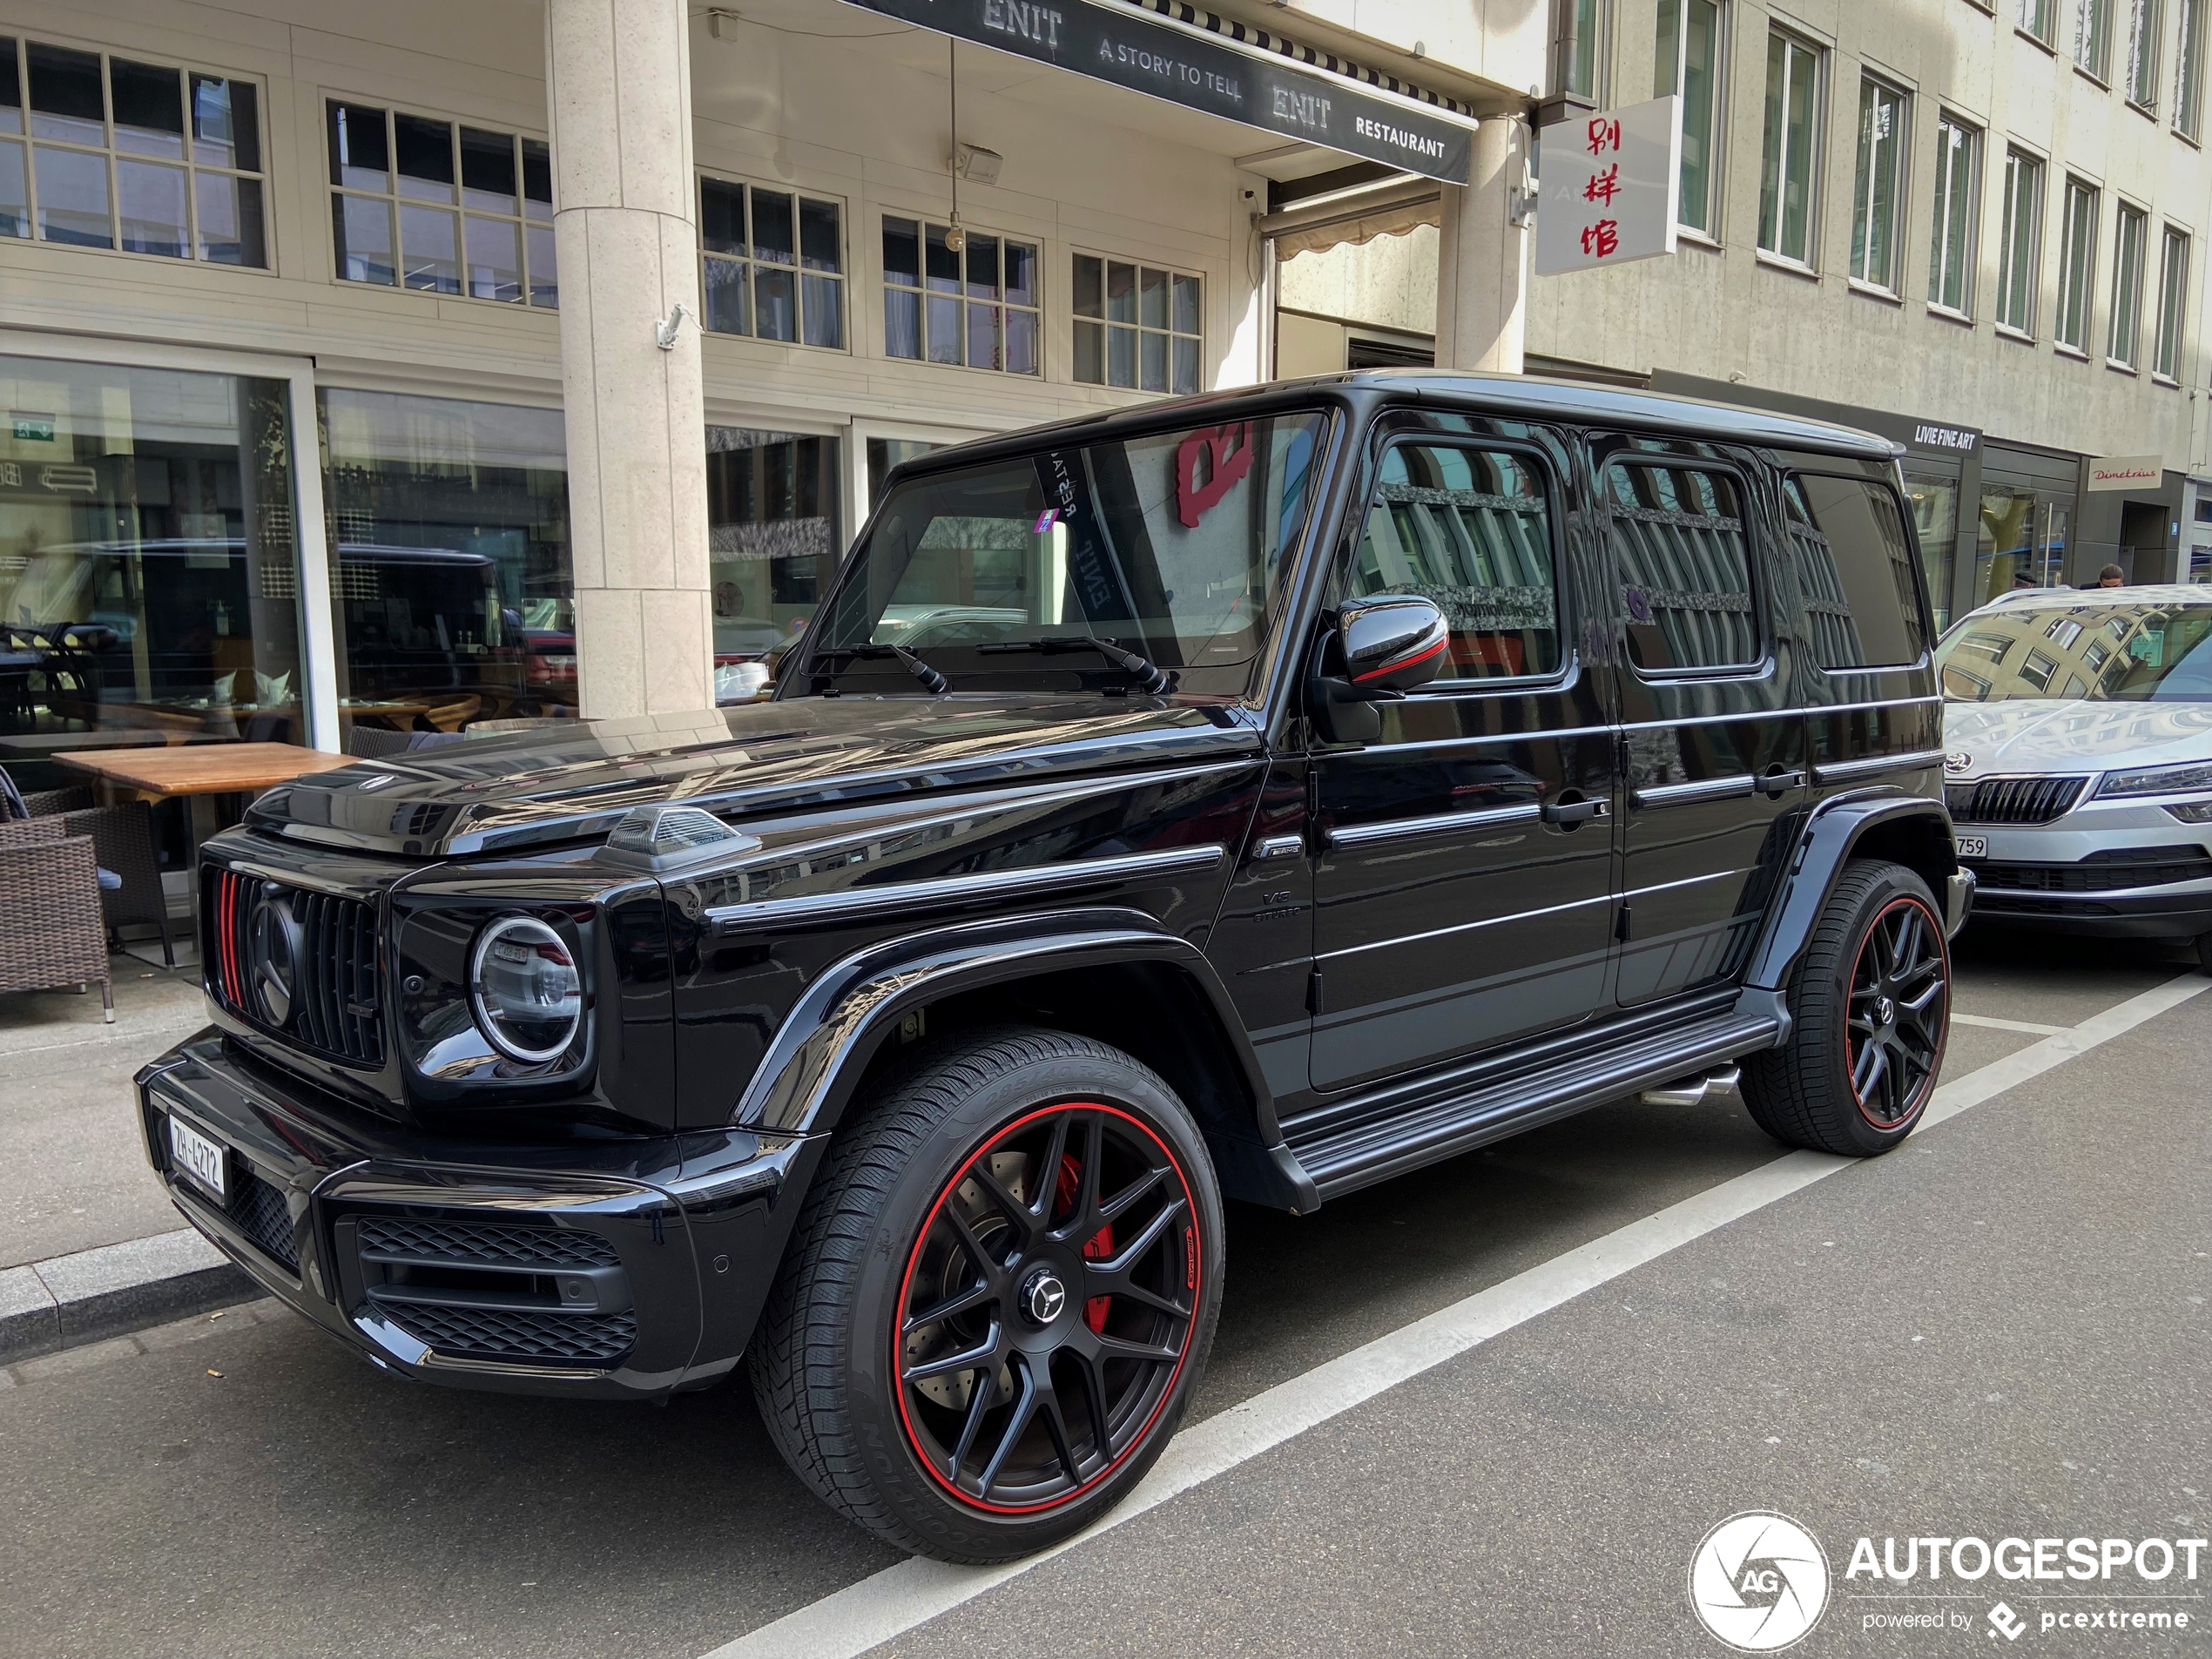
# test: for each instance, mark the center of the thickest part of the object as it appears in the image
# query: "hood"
(2039, 735)
(571, 782)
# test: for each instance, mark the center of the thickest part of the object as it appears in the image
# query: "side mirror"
(1386, 646)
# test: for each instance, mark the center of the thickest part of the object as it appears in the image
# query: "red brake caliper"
(1065, 1191)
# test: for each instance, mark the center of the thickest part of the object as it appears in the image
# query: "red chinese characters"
(1602, 240)
(1604, 136)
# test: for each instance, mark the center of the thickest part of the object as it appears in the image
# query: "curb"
(68, 1301)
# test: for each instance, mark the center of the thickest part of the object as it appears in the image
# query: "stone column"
(619, 94)
(1482, 259)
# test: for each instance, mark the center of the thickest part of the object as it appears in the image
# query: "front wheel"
(999, 1298)
(1871, 1005)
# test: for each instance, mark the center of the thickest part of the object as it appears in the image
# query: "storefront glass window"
(2022, 541)
(148, 571)
(772, 539)
(451, 589)
(886, 453)
(1934, 501)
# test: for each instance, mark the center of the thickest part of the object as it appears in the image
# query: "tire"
(1824, 1089)
(1092, 1305)
(2204, 952)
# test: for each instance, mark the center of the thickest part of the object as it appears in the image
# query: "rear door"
(1463, 875)
(1713, 748)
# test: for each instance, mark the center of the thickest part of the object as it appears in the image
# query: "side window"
(1471, 529)
(1855, 565)
(1684, 563)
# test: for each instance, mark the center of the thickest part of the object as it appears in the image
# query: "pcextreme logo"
(1758, 1581)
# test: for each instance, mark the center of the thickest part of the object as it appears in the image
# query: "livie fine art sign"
(1607, 187)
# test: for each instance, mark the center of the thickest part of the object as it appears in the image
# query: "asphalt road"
(2001, 1329)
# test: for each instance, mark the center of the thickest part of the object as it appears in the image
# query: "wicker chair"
(122, 842)
(51, 932)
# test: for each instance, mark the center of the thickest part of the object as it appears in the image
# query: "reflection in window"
(1471, 529)
(1137, 326)
(771, 263)
(1689, 64)
(1934, 502)
(1683, 563)
(772, 538)
(1855, 569)
(977, 305)
(451, 589)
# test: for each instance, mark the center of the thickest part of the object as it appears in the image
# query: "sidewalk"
(88, 1242)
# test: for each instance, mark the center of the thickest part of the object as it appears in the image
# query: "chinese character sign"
(1607, 187)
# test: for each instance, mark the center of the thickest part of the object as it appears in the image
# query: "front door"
(1463, 882)
(1713, 750)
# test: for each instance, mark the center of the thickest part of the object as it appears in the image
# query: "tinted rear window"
(1854, 558)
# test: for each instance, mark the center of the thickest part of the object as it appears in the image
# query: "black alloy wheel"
(1900, 987)
(1046, 1307)
(998, 1296)
(1870, 1004)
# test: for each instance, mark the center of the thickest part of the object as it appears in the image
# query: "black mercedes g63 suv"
(1252, 796)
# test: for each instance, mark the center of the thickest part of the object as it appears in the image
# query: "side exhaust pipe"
(1689, 1091)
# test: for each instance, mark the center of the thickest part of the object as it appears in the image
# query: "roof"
(2150, 593)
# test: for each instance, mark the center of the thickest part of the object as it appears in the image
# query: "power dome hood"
(571, 783)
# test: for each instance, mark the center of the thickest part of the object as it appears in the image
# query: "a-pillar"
(1482, 259)
(618, 75)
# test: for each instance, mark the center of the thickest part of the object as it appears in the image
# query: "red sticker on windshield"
(1228, 450)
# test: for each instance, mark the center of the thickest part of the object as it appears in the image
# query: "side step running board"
(1365, 1153)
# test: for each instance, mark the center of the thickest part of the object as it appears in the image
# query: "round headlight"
(528, 994)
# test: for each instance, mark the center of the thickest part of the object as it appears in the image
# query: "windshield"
(2084, 651)
(1174, 546)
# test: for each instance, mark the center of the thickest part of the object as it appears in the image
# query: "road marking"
(2007, 1025)
(887, 1604)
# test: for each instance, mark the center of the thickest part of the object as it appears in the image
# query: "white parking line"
(2007, 1025)
(887, 1604)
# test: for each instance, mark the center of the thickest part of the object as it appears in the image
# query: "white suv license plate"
(1973, 846)
(196, 1158)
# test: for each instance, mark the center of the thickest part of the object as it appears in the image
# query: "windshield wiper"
(935, 683)
(1147, 674)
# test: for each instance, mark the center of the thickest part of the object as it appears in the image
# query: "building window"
(396, 180)
(2092, 36)
(1792, 135)
(142, 158)
(2018, 269)
(2127, 287)
(1882, 141)
(1137, 326)
(2143, 21)
(1583, 34)
(1689, 68)
(2173, 303)
(1951, 255)
(2189, 72)
(977, 305)
(772, 535)
(2039, 18)
(772, 264)
(2077, 266)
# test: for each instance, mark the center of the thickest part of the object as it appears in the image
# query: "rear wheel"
(1871, 1004)
(999, 1298)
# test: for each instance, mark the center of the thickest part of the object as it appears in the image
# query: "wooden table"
(199, 769)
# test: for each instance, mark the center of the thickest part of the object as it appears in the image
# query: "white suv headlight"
(2157, 780)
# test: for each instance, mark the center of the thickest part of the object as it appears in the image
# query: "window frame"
(922, 221)
(1901, 189)
(1539, 462)
(1714, 139)
(2147, 21)
(21, 40)
(2046, 36)
(799, 270)
(2074, 247)
(1930, 635)
(1076, 319)
(2173, 320)
(1569, 49)
(2092, 40)
(2188, 70)
(2030, 166)
(328, 191)
(1792, 43)
(1755, 555)
(1938, 248)
(2127, 212)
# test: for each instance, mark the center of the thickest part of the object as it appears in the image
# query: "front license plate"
(197, 1158)
(1973, 846)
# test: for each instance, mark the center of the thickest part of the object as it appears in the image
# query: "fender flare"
(814, 1064)
(1831, 833)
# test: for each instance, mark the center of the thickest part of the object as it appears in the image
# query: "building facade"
(1977, 228)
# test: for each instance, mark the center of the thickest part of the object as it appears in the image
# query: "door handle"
(1575, 812)
(1778, 782)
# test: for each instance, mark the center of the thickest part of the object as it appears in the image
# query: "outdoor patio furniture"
(123, 844)
(51, 931)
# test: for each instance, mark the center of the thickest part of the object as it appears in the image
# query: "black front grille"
(517, 1334)
(259, 1211)
(462, 1241)
(2013, 800)
(2109, 871)
(333, 1004)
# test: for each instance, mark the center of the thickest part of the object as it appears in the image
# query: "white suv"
(2078, 764)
